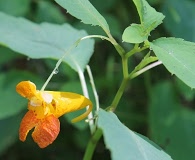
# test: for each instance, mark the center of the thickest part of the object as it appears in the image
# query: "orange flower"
(45, 107)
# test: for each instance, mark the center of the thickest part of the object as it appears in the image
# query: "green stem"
(119, 49)
(92, 144)
(133, 75)
(125, 66)
(135, 50)
(118, 95)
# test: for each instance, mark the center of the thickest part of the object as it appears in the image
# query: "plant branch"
(92, 144)
(98, 36)
(133, 75)
(125, 66)
(118, 95)
(136, 49)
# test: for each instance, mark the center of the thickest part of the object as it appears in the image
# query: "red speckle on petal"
(28, 122)
(46, 131)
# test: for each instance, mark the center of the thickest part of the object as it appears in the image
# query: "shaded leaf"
(11, 103)
(7, 55)
(45, 40)
(16, 7)
(187, 93)
(178, 56)
(172, 126)
(9, 131)
(180, 18)
(49, 12)
(106, 7)
(125, 144)
(85, 11)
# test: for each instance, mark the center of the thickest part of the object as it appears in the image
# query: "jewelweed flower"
(45, 107)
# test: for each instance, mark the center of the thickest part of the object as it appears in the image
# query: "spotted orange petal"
(28, 122)
(46, 131)
(26, 89)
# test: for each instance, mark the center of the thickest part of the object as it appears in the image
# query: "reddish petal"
(28, 122)
(46, 131)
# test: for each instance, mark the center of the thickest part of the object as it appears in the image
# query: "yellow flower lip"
(45, 107)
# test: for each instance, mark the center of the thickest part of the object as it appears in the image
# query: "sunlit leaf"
(45, 40)
(149, 18)
(134, 34)
(178, 56)
(125, 144)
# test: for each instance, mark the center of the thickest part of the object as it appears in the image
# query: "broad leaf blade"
(45, 40)
(134, 34)
(178, 56)
(85, 11)
(149, 17)
(125, 144)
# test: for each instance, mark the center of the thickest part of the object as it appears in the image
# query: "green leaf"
(149, 18)
(134, 34)
(9, 131)
(180, 18)
(85, 11)
(45, 40)
(187, 93)
(125, 144)
(178, 56)
(11, 102)
(7, 55)
(49, 12)
(16, 7)
(145, 61)
(172, 125)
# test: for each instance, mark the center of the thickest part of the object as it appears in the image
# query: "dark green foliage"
(156, 104)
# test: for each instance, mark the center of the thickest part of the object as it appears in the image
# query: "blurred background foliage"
(156, 104)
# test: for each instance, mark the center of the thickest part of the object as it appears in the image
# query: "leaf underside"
(45, 40)
(125, 144)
